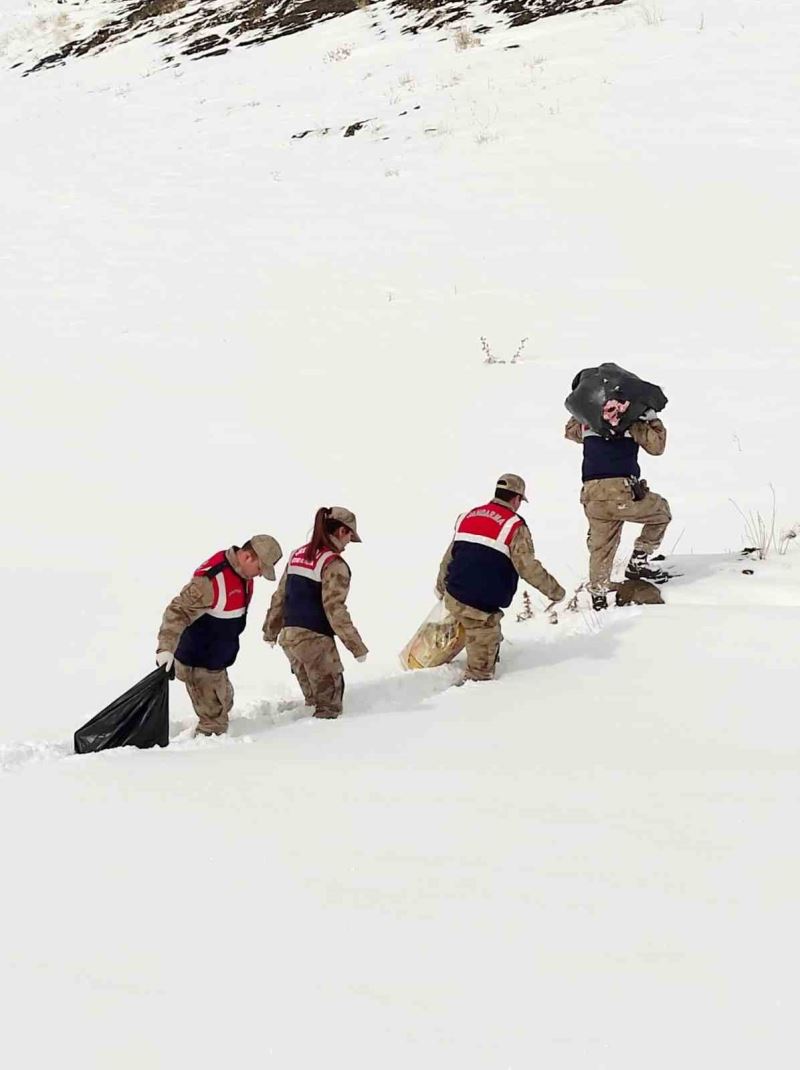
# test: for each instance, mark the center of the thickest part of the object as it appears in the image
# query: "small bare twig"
(488, 355)
(683, 532)
(550, 610)
(490, 358)
(518, 352)
(572, 605)
(526, 613)
(786, 537)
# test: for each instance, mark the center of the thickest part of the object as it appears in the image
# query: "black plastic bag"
(139, 718)
(592, 388)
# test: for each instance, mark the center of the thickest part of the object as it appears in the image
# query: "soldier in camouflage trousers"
(613, 493)
(479, 573)
(309, 608)
(200, 630)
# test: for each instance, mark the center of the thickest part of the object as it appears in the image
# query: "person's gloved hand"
(648, 415)
(362, 658)
(166, 660)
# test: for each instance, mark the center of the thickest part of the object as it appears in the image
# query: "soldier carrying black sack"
(199, 634)
(611, 421)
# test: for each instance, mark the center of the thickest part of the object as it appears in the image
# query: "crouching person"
(479, 573)
(201, 627)
(309, 608)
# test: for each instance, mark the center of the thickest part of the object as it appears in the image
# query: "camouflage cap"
(516, 484)
(344, 516)
(268, 552)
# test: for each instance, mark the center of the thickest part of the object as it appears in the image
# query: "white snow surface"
(210, 328)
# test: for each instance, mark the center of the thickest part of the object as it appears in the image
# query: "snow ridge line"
(15, 755)
(395, 693)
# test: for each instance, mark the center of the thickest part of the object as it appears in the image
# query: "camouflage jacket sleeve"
(335, 586)
(530, 569)
(573, 431)
(184, 609)
(651, 435)
(443, 567)
(274, 619)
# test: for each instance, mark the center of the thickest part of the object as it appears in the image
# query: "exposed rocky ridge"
(195, 30)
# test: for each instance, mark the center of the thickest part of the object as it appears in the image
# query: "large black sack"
(592, 388)
(139, 718)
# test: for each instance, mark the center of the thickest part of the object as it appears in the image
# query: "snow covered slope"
(235, 290)
(186, 30)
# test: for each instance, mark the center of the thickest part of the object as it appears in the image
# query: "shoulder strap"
(216, 569)
(247, 585)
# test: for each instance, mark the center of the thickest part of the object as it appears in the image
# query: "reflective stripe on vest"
(310, 570)
(488, 525)
(232, 593)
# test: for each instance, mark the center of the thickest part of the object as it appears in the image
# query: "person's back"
(304, 602)
(309, 609)
(211, 641)
(481, 573)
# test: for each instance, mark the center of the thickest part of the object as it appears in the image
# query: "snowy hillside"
(235, 290)
(187, 30)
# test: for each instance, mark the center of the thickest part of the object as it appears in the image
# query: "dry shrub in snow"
(760, 533)
(650, 13)
(464, 38)
(336, 55)
(490, 358)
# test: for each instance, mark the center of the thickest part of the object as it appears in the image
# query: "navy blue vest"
(481, 578)
(481, 573)
(212, 641)
(302, 606)
(609, 458)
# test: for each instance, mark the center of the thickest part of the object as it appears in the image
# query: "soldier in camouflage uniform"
(479, 573)
(200, 631)
(309, 608)
(614, 493)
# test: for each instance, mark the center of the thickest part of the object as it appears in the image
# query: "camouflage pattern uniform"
(482, 630)
(608, 503)
(211, 692)
(313, 657)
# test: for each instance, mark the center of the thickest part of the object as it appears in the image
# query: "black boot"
(640, 568)
(599, 601)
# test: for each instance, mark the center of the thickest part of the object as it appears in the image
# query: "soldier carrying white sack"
(479, 573)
